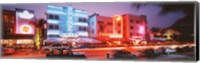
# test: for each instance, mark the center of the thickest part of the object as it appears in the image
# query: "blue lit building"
(64, 22)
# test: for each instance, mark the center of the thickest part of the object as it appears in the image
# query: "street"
(101, 54)
(26, 53)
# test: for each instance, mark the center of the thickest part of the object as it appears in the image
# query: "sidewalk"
(28, 53)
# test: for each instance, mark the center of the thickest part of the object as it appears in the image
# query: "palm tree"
(170, 33)
(183, 25)
(40, 32)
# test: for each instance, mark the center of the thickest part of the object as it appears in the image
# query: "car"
(67, 52)
(159, 51)
(149, 52)
(170, 50)
(121, 54)
(56, 52)
(55, 49)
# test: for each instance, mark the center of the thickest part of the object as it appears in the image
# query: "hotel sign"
(24, 21)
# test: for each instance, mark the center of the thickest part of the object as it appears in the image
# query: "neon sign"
(25, 29)
(26, 15)
(117, 20)
(141, 30)
(23, 19)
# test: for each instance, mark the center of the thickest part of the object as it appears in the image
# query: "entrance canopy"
(85, 40)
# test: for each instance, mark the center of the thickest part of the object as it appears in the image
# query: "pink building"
(135, 27)
(100, 26)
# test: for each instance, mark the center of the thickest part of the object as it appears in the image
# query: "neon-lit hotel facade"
(65, 22)
(125, 27)
(18, 28)
(100, 26)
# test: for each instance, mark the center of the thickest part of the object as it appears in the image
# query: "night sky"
(110, 9)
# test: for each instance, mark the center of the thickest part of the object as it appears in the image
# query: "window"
(119, 24)
(82, 20)
(82, 28)
(101, 27)
(100, 22)
(131, 27)
(132, 21)
(53, 26)
(138, 21)
(119, 32)
(12, 19)
(9, 30)
(56, 27)
(109, 23)
(8, 18)
(53, 36)
(50, 26)
(56, 35)
(51, 16)
(56, 17)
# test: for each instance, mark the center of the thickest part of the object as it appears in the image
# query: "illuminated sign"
(117, 26)
(26, 15)
(118, 18)
(24, 20)
(26, 29)
(141, 30)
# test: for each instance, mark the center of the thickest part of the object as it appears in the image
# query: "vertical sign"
(117, 26)
(24, 21)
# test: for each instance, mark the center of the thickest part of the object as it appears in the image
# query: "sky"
(109, 9)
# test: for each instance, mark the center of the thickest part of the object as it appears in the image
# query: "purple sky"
(110, 9)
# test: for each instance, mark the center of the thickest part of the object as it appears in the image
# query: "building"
(66, 22)
(100, 26)
(18, 28)
(118, 27)
(134, 27)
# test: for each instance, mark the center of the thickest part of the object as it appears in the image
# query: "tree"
(40, 32)
(184, 25)
(170, 33)
(156, 31)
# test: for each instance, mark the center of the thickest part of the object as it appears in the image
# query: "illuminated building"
(66, 22)
(118, 28)
(135, 27)
(100, 26)
(18, 28)
(118, 22)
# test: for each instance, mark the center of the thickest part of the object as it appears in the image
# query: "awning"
(88, 40)
(53, 40)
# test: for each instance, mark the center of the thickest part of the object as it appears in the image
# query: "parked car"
(121, 54)
(159, 51)
(55, 49)
(170, 50)
(149, 52)
(67, 52)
